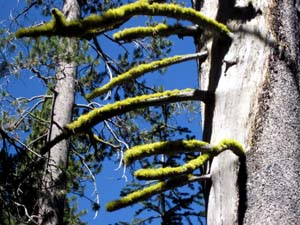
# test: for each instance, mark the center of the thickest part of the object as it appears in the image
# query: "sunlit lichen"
(167, 147)
(177, 176)
(139, 71)
(139, 32)
(147, 192)
(113, 18)
(187, 168)
(160, 29)
(167, 172)
(230, 144)
(97, 115)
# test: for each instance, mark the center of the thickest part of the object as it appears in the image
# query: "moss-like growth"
(160, 29)
(147, 192)
(139, 32)
(113, 18)
(95, 116)
(230, 144)
(84, 28)
(167, 172)
(139, 71)
(167, 147)
(187, 168)
(177, 176)
(47, 28)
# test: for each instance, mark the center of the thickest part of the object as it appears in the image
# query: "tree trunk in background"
(53, 201)
(257, 103)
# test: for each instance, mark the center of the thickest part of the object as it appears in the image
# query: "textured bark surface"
(257, 103)
(273, 162)
(52, 204)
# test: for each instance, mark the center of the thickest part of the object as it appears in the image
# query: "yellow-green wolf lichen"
(140, 70)
(97, 115)
(181, 174)
(166, 147)
(230, 144)
(113, 18)
(147, 192)
(167, 172)
(209, 152)
(160, 29)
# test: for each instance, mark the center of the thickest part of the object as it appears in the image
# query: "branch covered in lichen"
(142, 69)
(166, 147)
(230, 144)
(161, 29)
(190, 166)
(167, 172)
(147, 192)
(95, 116)
(176, 177)
(113, 18)
(92, 118)
(84, 28)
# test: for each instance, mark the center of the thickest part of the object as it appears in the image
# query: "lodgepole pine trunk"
(255, 78)
(52, 202)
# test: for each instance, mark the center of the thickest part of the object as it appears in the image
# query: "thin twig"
(113, 40)
(110, 77)
(30, 218)
(120, 152)
(34, 98)
(13, 141)
(104, 56)
(92, 177)
(44, 79)
(38, 138)
(26, 113)
(27, 148)
(25, 10)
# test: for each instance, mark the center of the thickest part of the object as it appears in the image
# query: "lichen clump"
(90, 119)
(172, 176)
(131, 74)
(166, 147)
(138, 71)
(147, 192)
(113, 18)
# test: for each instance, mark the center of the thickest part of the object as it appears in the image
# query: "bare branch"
(30, 218)
(92, 177)
(25, 10)
(26, 113)
(44, 79)
(34, 98)
(16, 141)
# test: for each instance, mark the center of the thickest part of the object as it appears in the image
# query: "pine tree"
(43, 117)
(94, 25)
(245, 109)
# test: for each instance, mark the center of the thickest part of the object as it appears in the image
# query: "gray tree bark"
(52, 203)
(255, 79)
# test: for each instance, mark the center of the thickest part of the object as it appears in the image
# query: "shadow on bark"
(227, 11)
(242, 182)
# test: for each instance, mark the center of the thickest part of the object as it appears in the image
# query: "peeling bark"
(53, 200)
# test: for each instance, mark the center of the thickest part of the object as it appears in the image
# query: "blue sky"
(109, 181)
